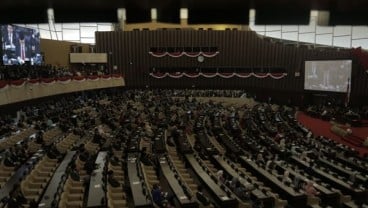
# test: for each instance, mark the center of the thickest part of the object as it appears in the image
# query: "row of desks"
(175, 186)
(294, 198)
(327, 196)
(96, 192)
(349, 162)
(341, 170)
(229, 144)
(53, 185)
(221, 196)
(204, 141)
(136, 181)
(256, 193)
(342, 185)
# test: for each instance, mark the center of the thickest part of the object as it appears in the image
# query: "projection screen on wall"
(329, 75)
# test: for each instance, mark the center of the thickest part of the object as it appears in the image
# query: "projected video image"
(327, 75)
(20, 45)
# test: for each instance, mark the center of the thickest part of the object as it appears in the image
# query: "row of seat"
(67, 143)
(330, 178)
(72, 195)
(234, 129)
(182, 171)
(33, 184)
(5, 173)
(15, 138)
(116, 196)
(48, 138)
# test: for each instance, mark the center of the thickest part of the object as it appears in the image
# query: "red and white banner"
(49, 81)
(180, 54)
(177, 75)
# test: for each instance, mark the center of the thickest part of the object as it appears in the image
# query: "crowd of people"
(17, 72)
(342, 114)
(144, 113)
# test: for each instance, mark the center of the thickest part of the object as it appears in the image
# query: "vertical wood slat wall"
(129, 52)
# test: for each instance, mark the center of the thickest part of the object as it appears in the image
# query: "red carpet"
(322, 128)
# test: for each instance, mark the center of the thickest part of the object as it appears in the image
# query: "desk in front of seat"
(53, 185)
(341, 170)
(175, 186)
(96, 192)
(221, 196)
(267, 200)
(342, 185)
(159, 144)
(140, 199)
(327, 196)
(349, 162)
(229, 144)
(294, 198)
(205, 143)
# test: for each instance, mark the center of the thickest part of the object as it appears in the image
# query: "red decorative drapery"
(180, 54)
(34, 81)
(17, 82)
(3, 84)
(177, 75)
(47, 81)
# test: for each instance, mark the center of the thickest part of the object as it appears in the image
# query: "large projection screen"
(327, 75)
(20, 45)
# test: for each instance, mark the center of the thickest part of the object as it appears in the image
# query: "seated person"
(145, 157)
(353, 180)
(115, 161)
(297, 182)
(201, 197)
(249, 185)
(39, 138)
(74, 174)
(53, 153)
(240, 191)
(89, 166)
(112, 181)
(260, 159)
(97, 138)
(11, 158)
(269, 164)
(84, 156)
(220, 176)
(9, 162)
(286, 179)
(159, 197)
(310, 190)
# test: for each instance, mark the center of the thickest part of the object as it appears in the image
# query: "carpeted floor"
(322, 128)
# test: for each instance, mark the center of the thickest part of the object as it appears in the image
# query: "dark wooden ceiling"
(310, 4)
(342, 11)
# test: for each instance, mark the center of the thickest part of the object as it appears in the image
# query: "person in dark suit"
(23, 51)
(157, 195)
(9, 42)
(111, 179)
(9, 37)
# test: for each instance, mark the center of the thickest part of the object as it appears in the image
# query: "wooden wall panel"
(129, 52)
